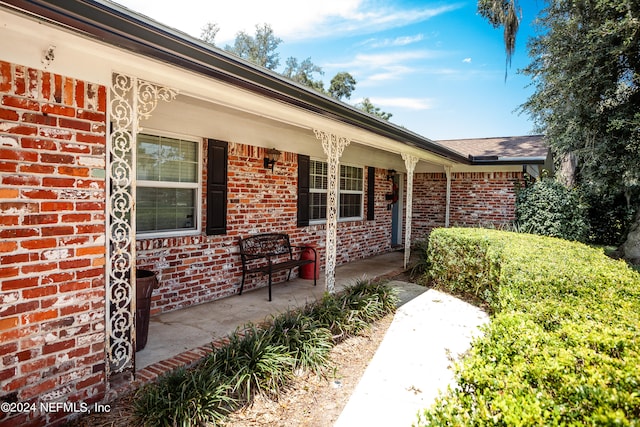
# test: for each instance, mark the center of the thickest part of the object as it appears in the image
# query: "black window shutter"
(371, 185)
(217, 187)
(303, 190)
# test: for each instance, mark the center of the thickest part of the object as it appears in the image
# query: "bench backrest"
(260, 245)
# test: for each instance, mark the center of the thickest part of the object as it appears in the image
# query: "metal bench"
(271, 252)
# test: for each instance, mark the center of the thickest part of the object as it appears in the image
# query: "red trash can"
(306, 271)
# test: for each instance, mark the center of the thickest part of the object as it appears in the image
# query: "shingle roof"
(500, 148)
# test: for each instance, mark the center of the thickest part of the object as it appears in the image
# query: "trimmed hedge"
(563, 345)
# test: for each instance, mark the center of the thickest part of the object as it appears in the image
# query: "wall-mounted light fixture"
(390, 174)
(272, 156)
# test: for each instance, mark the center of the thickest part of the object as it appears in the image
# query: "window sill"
(167, 234)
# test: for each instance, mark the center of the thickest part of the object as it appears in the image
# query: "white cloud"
(398, 41)
(467, 60)
(369, 61)
(372, 69)
(289, 19)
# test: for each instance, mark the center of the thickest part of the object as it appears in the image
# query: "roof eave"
(497, 160)
(119, 26)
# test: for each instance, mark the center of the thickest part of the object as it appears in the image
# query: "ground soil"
(309, 401)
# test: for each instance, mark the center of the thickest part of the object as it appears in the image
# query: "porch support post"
(447, 172)
(131, 100)
(333, 146)
(410, 163)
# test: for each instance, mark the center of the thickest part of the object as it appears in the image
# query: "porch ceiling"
(201, 118)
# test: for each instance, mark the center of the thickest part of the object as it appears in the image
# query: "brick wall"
(478, 198)
(52, 248)
(197, 269)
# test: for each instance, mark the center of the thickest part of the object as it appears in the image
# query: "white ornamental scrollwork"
(131, 100)
(410, 163)
(333, 147)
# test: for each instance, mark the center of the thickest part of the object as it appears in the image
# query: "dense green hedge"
(563, 345)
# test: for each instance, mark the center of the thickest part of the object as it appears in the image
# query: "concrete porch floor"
(173, 333)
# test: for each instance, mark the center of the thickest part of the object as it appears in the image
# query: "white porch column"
(333, 147)
(131, 101)
(447, 172)
(410, 163)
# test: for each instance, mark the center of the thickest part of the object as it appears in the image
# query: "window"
(350, 191)
(168, 185)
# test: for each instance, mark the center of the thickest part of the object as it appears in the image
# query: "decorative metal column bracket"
(410, 163)
(333, 147)
(131, 101)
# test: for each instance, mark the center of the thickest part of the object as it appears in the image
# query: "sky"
(436, 66)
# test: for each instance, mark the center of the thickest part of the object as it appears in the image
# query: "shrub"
(549, 208)
(562, 346)
(183, 398)
(304, 338)
(351, 311)
(609, 218)
(252, 363)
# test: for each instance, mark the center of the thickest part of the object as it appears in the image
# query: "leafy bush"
(252, 363)
(351, 311)
(562, 346)
(304, 337)
(548, 208)
(183, 398)
(609, 218)
(262, 359)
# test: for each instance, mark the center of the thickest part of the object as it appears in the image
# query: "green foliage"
(260, 49)
(609, 218)
(562, 347)
(350, 312)
(586, 71)
(304, 337)
(367, 106)
(184, 398)
(209, 32)
(260, 360)
(253, 363)
(421, 266)
(303, 73)
(503, 13)
(549, 208)
(342, 85)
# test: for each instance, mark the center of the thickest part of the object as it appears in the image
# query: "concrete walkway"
(429, 330)
(413, 361)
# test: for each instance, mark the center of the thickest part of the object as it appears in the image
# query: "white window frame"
(168, 184)
(362, 194)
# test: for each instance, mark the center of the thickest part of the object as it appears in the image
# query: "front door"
(396, 213)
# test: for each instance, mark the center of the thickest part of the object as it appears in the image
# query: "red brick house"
(125, 144)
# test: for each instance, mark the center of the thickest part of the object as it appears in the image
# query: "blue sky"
(437, 66)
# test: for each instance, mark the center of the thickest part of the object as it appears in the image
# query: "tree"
(342, 85)
(260, 50)
(586, 72)
(303, 73)
(209, 32)
(367, 106)
(503, 13)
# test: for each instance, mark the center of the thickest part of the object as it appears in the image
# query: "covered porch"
(182, 337)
